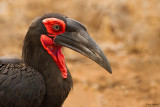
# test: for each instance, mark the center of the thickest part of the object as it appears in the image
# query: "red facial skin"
(49, 45)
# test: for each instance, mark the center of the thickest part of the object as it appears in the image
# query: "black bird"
(44, 80)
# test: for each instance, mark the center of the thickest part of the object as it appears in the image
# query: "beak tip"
(109, 69)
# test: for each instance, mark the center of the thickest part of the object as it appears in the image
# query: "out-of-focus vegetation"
(128, 31)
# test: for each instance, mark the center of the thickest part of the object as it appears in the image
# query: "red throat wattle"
(56, 53)
(49, 45)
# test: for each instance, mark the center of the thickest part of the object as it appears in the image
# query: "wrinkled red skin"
(49, 45)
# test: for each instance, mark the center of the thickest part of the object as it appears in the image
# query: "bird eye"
(56, 27)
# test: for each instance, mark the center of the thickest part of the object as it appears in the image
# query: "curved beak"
(77, 38)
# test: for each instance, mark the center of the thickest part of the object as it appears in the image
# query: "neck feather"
(35, 56)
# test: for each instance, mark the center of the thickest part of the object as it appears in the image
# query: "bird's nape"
(10, 61)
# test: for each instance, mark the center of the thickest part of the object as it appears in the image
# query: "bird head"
(56, 31)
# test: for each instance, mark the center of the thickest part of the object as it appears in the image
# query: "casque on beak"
(77, 38)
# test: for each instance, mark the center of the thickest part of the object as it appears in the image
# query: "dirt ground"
(127, 31)
(134, 85)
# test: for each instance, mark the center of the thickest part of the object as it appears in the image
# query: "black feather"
(39, 82)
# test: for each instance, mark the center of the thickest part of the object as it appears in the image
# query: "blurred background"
(128, 31)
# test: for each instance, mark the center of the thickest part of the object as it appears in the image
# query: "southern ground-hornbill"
(44, 80)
